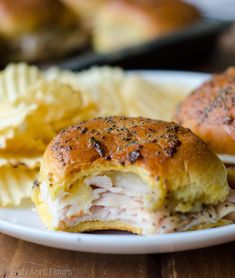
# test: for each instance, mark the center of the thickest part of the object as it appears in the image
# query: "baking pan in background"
(189, 46)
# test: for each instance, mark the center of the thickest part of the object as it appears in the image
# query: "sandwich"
(86, 10)
(133, 174)
(38, 30)
(209, 111)
(124, 23)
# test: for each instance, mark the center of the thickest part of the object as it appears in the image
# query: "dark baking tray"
(186, 47)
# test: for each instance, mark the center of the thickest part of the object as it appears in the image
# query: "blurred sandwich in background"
(38, 30)
(123, 23)
(42, 30)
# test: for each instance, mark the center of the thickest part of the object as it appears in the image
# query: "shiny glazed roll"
(210, 113)
(133, 174)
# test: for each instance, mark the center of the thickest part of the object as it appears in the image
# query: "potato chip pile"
(102, 85)
(35, 105)
(32, 111)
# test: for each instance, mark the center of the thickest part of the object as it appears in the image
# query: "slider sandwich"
(124, 23)
(209, 112)
(133, 174)
(37, 30)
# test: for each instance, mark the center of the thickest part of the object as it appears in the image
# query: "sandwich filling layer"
(229, 162)
(227, 158)
(123, 196)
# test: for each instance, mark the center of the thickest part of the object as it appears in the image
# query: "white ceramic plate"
(24, 223)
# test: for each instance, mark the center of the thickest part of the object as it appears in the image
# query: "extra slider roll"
(133, 174)
(38, 30)
(124, 23)
(209, 111)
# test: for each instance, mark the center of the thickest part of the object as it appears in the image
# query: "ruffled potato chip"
(148, 99)
(87, 112)
(15, 80)
(100, 85)
(12, 116)
(30, 123)
(57, 102)
(17, 160)
(87, 79)
(15, 185)
(22, 144)
(30, 136)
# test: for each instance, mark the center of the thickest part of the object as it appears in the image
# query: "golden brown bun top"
(118, 140)
(17, 17)
(168, 153)
(210, 112)
(164, 14)
(87, 9)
